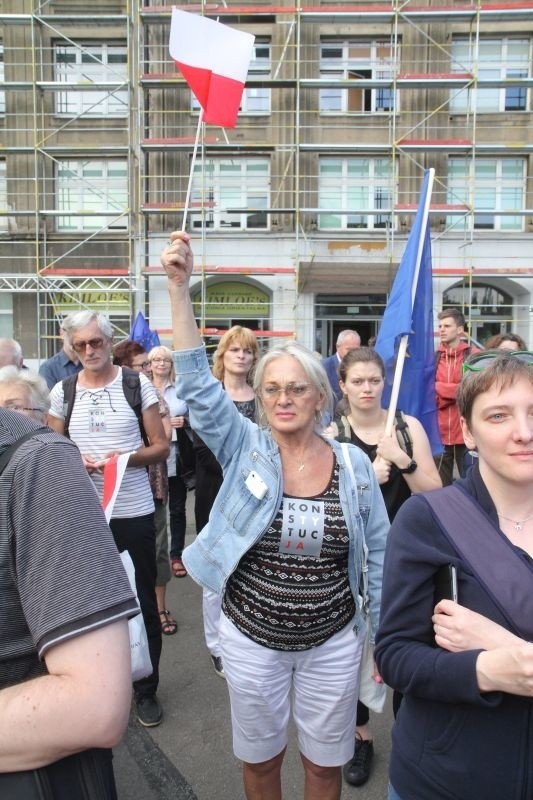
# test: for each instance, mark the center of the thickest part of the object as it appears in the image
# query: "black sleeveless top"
(395, 491)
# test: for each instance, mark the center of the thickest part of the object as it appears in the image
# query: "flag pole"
(191, 173)
(402, 349)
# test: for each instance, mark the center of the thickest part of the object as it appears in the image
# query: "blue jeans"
(393, 794)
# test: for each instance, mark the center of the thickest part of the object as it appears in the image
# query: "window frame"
(76, 101)
(379, 189)
(474, 183)
(211, 191)
(498, 99)
(87, 192)
(345, 66)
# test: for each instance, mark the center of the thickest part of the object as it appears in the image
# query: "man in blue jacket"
(346, 340)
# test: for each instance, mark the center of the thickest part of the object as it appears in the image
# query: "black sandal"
(169, 626)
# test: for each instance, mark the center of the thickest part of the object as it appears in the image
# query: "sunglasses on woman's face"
(482, 360)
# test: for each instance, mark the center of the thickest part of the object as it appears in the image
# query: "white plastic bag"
(141, 664)
(372, 694)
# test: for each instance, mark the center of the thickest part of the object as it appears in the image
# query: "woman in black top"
(403, 465)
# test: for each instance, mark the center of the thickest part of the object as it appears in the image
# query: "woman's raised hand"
(177, 259)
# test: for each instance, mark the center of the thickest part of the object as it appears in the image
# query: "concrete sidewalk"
(189, 756)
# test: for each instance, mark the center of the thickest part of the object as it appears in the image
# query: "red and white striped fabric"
(214, 60)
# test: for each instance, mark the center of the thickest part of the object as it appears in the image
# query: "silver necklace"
(518, 523)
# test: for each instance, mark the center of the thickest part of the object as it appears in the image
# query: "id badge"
(97, 421)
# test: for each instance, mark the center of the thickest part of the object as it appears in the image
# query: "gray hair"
(346, 334)
(310, 364)
(11, 352)
(79, 319)
(34, 386)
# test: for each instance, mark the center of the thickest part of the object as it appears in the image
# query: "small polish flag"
(113, 473)
(214, 60)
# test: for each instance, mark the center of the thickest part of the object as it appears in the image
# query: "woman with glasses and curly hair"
(465, 665)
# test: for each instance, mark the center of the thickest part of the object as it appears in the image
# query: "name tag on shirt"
(302, 530)
(97, 420)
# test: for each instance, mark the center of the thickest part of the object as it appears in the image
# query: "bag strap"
(5, 458)
(491, 556)
(364, 576)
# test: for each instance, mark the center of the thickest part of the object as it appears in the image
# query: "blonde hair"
(160, 351)
(245, 337)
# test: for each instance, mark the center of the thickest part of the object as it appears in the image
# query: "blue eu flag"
(142, 334)
(413, 317)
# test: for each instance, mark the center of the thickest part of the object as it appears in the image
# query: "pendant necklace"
(518, 523)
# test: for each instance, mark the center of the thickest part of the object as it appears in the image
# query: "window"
(234, 193)
(2, 78)
(93, 193)
(498, 60)
(356, 61)
(92, 63)
(353, 192)
(492, 185)
(255, 100)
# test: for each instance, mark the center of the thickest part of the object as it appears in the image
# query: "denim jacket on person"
(238, 518)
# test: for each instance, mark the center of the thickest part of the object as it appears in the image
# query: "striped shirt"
(102, 422)
(286, 601)
(60, 573)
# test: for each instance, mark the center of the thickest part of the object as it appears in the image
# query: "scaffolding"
(97, 128)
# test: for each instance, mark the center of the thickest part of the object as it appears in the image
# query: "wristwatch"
(410, 468)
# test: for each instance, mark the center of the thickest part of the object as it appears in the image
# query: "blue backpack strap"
(506, 578)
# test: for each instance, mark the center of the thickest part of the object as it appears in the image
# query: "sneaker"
(219, 667)
(357, 771)
(149, 712)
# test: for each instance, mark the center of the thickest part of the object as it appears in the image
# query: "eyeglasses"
(480, 361)
(94, 344)
(21, 408)
(161, 360)
(144, 365)
(290, 389)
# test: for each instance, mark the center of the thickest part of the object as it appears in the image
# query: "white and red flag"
(113, 473)
(214, 60)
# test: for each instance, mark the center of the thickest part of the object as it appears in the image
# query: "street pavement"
(189, 756)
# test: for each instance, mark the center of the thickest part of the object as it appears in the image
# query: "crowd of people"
(301, 490)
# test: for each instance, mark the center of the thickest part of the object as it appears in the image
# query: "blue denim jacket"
(238, 518)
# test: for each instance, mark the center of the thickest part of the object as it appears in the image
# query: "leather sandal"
(169, 626)
(178, 568)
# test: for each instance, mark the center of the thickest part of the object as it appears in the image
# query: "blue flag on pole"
(142, 334)
(403, 316)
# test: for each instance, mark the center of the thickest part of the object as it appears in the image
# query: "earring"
(318, 416)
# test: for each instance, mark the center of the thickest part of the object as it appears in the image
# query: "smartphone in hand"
(446, 583)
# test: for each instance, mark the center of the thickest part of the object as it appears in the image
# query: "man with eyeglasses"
(104, 424)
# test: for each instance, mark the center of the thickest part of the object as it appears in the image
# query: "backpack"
(131, 386)
(405, 440)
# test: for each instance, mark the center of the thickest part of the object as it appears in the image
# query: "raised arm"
(177, 259)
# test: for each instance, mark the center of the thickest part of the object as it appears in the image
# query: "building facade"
(300, 213)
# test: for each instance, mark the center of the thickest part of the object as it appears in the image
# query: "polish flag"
(113, 473)
(214, 60)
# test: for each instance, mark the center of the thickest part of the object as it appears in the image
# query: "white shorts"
(321, 683)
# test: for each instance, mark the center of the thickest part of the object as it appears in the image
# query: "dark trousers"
(453, 453)
(137, 536)
(177, 496)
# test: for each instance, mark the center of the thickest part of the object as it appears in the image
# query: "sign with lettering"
(232, 298)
